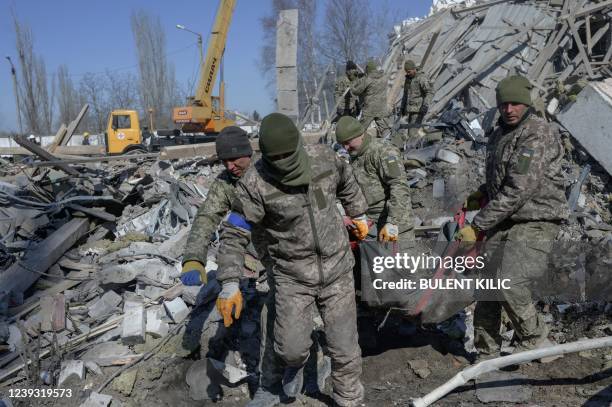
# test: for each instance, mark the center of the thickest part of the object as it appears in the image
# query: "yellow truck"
(123, 135)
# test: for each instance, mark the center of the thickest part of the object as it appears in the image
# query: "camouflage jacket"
(380, 173)
(346, 103)
(372, 91)
(417, 92)
(307, 240)
(210, 213)
(523, 175)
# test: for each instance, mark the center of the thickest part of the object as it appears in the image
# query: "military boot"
(265, 397)
(293, 381)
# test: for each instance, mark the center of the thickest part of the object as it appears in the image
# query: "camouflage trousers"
(403, 136)
(383, 124)
(271, 368)
(293, 327)
(518, 252)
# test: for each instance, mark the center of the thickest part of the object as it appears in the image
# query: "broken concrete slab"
(231, 373)
(501, 386)
(105, 305)
(108, 354)
(93, 367)
(97, 400)
(71, 370)
(151, 271)
(177, 309)
(589, 120)
(134, 322)
(420, 368)
(156, 327)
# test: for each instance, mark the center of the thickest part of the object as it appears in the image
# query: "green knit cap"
(409, 64)
(278, 135)
(370, 66)
(514, 89)
(347, 129)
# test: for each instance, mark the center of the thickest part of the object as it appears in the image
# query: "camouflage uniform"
(418, 92)
(217, 204)
(346, 103)
(380, 173)
(312, 261)
(372, 92)
(526, 204)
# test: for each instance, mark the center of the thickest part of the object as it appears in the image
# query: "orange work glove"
(389, 233)
(361, 227)
(229, 302)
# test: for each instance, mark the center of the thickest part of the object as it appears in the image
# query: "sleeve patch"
(395, 169)
(524, 160)
(237, 220)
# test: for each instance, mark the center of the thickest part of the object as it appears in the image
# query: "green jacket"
(380, 173)
(372, 91)
(523, 175)
(418, 91)
(346, 102)
(307, 240)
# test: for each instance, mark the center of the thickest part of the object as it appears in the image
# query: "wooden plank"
(73, 125)
(588, 36)
(44, 154)
(22, 274)
(581, 51)
(58, 138)
(84, 160)
(59, 151)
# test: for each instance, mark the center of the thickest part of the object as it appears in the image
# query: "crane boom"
(205, 111)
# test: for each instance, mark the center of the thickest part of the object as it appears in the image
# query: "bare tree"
(122, 89)
(37, 102)
(93, 90)
(156, 76)
(68, 98)
(346, 31)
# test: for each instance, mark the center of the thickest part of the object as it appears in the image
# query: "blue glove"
(192, 277)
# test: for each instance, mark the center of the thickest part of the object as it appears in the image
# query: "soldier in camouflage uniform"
(234, 150)
(526, 204)
(292, 193)
(344, 100)
(372, 92)
(379, 171)
(416, 98)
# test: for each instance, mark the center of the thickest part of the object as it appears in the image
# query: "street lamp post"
(16, 90)
(182, 27)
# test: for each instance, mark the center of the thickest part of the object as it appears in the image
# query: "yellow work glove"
(193, 273)
(472, 202)
(360, 231)
(389, 233)
(467, 234)
(229, 302)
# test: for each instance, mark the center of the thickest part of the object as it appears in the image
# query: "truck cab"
(123, 132)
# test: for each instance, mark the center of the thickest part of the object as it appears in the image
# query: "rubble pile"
(465, 48)
(90, 271)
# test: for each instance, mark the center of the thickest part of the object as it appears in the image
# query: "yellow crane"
(205, 112)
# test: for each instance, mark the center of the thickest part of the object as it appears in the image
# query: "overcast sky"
(92, 36)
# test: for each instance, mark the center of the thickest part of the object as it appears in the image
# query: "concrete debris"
(203, 380)
(124, 383)
(156, 326)
(231, 373)
(134, 323)
(105, 305)
(97, 400)
(108, 354)
(177, 309)
(71, 369)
